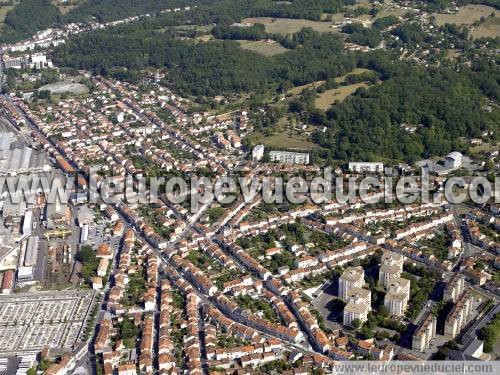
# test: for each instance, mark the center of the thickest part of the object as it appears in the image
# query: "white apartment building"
(458, 316)
(424, 333)
(398, 294)
(363, 167)
(258, 152)
(358, 305)
(353, 277)
(454, 288)
(391, 266)
(288, 157)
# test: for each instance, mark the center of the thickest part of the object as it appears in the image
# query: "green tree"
(356, 323)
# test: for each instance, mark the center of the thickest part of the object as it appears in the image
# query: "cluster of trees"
(219, 11)
(254, 32)
(248, 303)
(363, 36)
(206, 69)
(490, 333)
(445, 106)
(89, 263)
(453, 29)
(366, 36)
(444, 350)
(410, 33)
(28, 17)
(135, 290)
(420, 290)
(110, 10)
(356, 12)
(383, 22)
(128, 332)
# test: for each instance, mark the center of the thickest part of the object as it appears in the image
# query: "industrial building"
(16, 158)
(31, 253)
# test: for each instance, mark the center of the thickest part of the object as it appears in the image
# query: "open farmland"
(466, 15)
(327, 98)
(289, 26)
(263, 47)
(490, 28)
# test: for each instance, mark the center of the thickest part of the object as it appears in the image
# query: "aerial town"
(97, 286)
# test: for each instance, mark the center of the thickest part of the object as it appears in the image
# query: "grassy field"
(204, 38)
(285, 140)
(341, 79)
(453, 54)
(466, 15)
(289, 26)
(490, 28)
(485, 147)
(298, 89)
(283, 137)
(3, 12)
(327, 98)
(263, 47)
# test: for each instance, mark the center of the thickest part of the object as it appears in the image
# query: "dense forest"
(254, 32)
(362, 35)
(31, 16)
(110, 10)
(229, 10)
(442, 106)
(208, 68)
(28, 17)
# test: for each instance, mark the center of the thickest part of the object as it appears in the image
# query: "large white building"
(398, 294)
(363, 167)
(258, 152)
(353, 277)
(453, 160)
(424, 333)
(288, 157)
(358, 305)
(391, 266)
(454, 288)
(458, 316)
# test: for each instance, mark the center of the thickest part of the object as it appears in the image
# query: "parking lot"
(33, 321)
